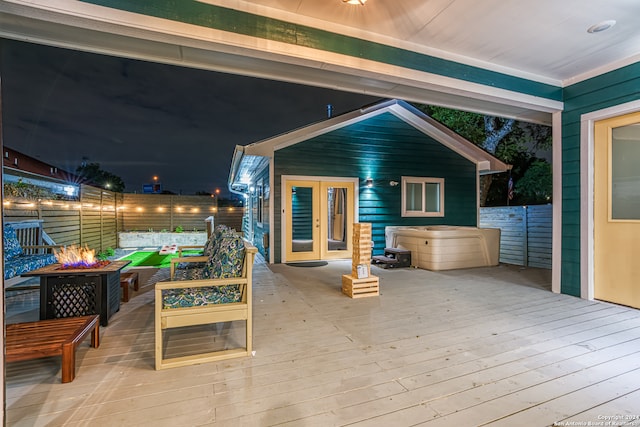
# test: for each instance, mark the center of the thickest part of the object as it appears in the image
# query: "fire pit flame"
(78, 257)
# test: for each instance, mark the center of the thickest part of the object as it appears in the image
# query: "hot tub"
(446, 247)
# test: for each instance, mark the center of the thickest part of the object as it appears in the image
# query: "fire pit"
(76, 257)
(70, 289)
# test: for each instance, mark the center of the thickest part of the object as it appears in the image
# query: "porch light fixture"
(369, 182)
(361, 2)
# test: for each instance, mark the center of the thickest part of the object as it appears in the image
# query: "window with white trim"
(422, 196)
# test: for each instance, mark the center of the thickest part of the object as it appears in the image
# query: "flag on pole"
(510, 189)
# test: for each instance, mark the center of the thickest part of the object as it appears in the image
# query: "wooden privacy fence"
(157, 212)
(526, 233)
(90, 221)
(95, 219)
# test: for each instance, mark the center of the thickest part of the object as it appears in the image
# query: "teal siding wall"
(260, 229)
(614, 88)
(384, 148)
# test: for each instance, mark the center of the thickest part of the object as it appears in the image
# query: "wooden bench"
(54, 337)
(127, 279)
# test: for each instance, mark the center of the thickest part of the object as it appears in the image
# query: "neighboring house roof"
(18, 162)
(249, 158)
(18, 167)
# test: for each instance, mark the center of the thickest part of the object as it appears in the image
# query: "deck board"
(481, 346)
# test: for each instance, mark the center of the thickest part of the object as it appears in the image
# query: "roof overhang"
(250, 158)
(243, 167)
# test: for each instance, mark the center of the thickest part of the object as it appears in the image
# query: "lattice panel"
(72, 299)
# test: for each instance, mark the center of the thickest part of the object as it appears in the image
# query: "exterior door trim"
(283, 216)
(587, 141)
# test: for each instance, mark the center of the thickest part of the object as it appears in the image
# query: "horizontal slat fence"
(157, 212)
(526, 233)
(90, 221)
(96, 218)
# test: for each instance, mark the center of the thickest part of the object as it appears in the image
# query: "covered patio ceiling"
(545, 42)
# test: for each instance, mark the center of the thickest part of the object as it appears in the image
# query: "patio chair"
(19, 259)
(218, 292)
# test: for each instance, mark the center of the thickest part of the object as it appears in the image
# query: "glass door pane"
(336, 219)
(302, 219)
(625, 176)
(336, 212)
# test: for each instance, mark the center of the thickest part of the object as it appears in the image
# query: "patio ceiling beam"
(79, 27)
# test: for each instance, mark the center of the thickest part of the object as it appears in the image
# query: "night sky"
(139, 119)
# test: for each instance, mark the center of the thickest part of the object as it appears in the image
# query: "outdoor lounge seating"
(19, 259)
(184, 261)
(220, 291)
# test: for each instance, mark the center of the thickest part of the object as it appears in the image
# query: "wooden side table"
(127, 279)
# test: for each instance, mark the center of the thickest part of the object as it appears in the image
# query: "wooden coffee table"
(55, 337)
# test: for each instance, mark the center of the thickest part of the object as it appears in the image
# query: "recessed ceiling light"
(601, 26)
(362, 2)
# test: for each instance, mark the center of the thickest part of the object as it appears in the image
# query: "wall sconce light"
(362, 2)
(393, 183)
(369, 182)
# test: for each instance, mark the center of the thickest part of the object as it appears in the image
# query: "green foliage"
(532, 183)
(92, 173)
(23, 190)
(469, 125)
(512, 145)
(536, 186)
(179, 229)
(104, 255)
(540, 136)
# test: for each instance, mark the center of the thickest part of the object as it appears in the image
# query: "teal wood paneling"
(259, 229)
(384, 148)
(613, 88)
(235, 21)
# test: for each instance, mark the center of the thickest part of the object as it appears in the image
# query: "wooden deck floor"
(488, 346)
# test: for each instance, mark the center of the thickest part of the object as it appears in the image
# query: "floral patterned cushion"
(23, 263)
(227, 259)
(212, 242)
(189, 266)
(196, 297)
(218, 233)
(10, 243)
(188, 273)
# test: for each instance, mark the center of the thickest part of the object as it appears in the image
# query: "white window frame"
(422, 180)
